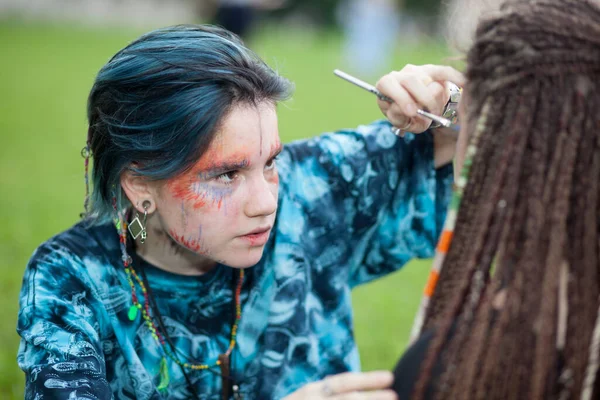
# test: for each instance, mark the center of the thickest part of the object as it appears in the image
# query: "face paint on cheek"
(181, 189)
(211, 193)
(183, 216)
(190, 243)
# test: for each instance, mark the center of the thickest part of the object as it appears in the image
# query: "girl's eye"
(270, 164)
(227, 177)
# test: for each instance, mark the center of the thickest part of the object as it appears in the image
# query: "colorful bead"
(132, 314)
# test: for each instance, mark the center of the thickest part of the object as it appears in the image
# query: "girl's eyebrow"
(218, 168)
(225, 166)
(275, 152)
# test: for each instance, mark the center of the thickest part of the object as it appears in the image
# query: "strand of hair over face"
(516, 308)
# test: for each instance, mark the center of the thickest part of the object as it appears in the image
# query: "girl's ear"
(138, 190)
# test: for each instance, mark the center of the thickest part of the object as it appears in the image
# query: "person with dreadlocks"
(152, 296)
(515, 313)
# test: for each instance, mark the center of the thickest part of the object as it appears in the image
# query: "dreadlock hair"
(527, 230)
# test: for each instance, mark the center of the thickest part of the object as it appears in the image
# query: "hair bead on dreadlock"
(531, 207)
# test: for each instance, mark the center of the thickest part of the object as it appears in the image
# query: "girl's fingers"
(441, 95)
(359, 381)
(391, 87)
(372, 395)
(416, 87)
(442, 73)
(421, 93)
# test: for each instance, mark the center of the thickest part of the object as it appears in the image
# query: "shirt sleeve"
(60, 349)
(371, 200)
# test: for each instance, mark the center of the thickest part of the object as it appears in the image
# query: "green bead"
(164, 376)
(132, 314)
(455, 202)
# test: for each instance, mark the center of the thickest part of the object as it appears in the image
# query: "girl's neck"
(163, 252)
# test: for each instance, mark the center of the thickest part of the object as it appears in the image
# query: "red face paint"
(181, 188)
(190, 186)
(189, 243)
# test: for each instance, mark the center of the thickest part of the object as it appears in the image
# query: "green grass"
(45, 75)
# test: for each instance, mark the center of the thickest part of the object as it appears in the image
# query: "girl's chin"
(242, 263)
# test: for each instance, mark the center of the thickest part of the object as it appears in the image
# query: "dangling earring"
(137, 228)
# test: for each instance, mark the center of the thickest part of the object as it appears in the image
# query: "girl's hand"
(349, 386)
(416, 87)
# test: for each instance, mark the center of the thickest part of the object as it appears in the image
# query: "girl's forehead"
(248, 135)
(252, 129)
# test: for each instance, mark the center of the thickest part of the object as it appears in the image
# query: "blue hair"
(156, 105)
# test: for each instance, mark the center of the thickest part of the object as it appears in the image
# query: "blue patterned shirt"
(353, 206)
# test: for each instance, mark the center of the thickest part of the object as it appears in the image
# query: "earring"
(136, 227)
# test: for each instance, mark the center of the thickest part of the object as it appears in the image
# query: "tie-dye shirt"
(353, 206)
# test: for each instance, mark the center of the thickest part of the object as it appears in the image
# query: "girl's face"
(224, 207)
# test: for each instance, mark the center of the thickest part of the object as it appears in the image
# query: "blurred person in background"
(371, 29)
(212, 262)
(516, 310)
(239, 16)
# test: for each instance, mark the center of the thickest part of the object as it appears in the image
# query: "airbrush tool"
(370, 88)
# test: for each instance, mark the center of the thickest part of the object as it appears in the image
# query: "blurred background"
(50, 51)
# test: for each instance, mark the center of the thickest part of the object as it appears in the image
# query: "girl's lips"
(257, 239)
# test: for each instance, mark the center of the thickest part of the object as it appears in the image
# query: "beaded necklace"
(147, 315)
(448, 230)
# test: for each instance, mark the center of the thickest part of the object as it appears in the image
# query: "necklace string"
(148, 314)
(159, 318)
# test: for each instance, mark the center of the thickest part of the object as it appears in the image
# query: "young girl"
(211, 261)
